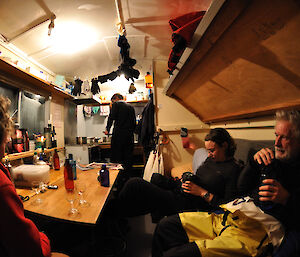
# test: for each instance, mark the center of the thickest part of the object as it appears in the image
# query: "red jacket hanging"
(183, 30)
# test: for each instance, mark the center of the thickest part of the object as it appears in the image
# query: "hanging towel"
(155, 164)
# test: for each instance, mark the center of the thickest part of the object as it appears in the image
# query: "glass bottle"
(56, 164)
(53, 138)
(68, 176)
(48, 137)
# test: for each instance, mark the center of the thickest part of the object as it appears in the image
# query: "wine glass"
(36, 187)
(81, 187)
(71, 196)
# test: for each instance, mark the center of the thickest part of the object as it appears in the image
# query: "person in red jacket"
(19, 236)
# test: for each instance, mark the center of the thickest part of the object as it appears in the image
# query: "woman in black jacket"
(215, 182)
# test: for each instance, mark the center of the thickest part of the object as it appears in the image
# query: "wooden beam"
(254, 112)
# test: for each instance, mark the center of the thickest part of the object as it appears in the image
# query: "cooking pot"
(84, 140)
(90, 140)
(81, 140)
(78, 140)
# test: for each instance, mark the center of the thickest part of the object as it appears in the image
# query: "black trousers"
(122, 144)
(290, 247)
(171, 240)
(139, 197)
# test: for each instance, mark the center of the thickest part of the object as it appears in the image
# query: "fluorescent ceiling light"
(72, 37)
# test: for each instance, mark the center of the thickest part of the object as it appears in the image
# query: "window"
(32, 113)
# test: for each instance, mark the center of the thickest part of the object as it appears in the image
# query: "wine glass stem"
(81, 197)
(72, 205)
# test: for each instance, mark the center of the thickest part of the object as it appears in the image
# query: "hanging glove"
(131, 89)
(95, 88)
(77, 87)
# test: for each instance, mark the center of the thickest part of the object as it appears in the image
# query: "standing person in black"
(122, 116)
(216, 184)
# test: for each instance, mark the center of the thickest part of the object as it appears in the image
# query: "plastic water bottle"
(68, 176)
(73, 165)
(104, 176)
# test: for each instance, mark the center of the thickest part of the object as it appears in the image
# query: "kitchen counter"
(98, 152)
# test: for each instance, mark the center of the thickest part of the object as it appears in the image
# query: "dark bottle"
(68, 176)
(56, 164)
(265, 174)
(53, 138)
(104, 176)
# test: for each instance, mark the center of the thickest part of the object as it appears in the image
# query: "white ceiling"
(146, 24)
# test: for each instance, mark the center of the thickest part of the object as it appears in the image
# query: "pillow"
(199, 157)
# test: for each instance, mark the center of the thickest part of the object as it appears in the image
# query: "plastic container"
(23, 175)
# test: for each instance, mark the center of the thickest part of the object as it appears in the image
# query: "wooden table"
(55, 204)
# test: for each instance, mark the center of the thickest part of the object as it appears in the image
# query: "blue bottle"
(104, 176)
(73, 165)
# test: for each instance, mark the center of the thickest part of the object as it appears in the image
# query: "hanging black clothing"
(147, 128)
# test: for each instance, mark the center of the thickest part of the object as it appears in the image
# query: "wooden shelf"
(17, 156)
(95, 101)
(17, 77)
(137, 102)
